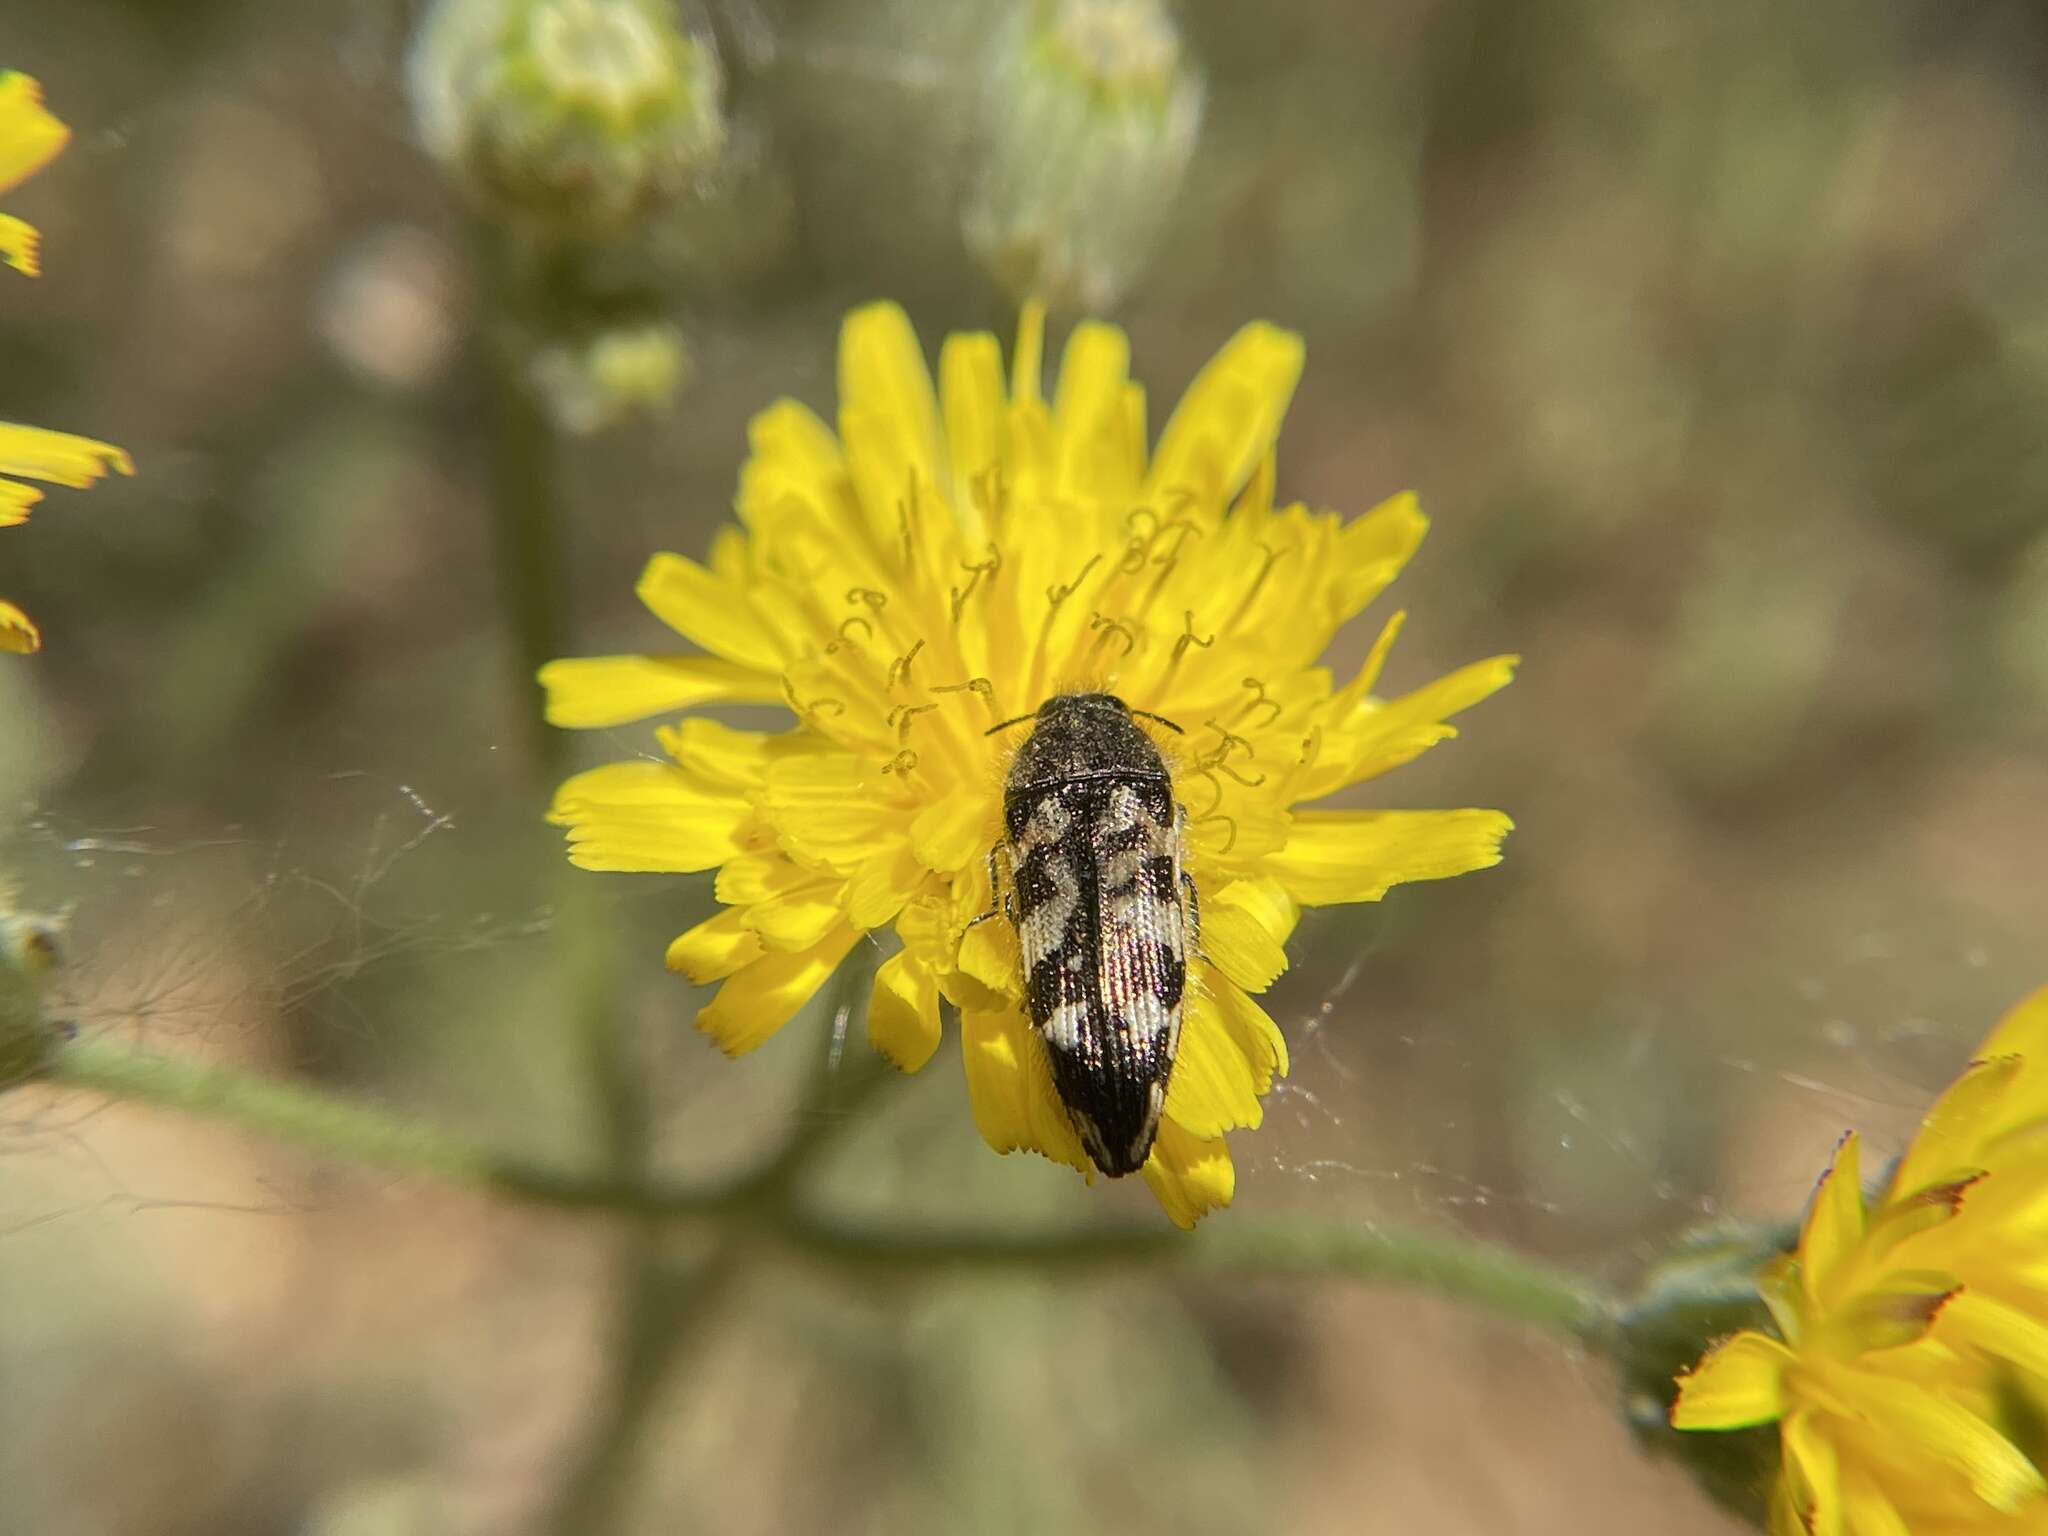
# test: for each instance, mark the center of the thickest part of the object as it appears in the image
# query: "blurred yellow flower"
(1910, 1375)
(951, 558)
(29, 139)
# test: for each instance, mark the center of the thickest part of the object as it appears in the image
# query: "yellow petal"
(20, 245)
(1087, 414)
(1334, 856)
(62, 458)
(951, 833)
(1244, 927)
(2022, 1032)
(1778, 1284)
(761, 997)
(1400, 730)
(713, 753)
(1953, 1132)
(826, 813)
(1212, 1089)
(646, 816)
(903, 1013)
(971, 393)
(1257, 1037)
(986, 975)
(585, 692)
(1996, 1330)
(1911, 1416)
(794, 474)
(1230, 415)
(1371, 550)
(18, 632)
(1010, 1089)
(715, 948)
(878, 889)
(30, 138)
(1027, 361)
(1739, 1382)
(888, 413)
(1866, 1511)
(15, 500)
(1834, 1218)
(1813, 1472)
(699, 606)
(1190, 1175)
(801, 919)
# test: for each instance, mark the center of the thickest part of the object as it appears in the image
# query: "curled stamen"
(1226, 743)
(1057, 594)
(867, 630)
(989, 492)
(989, 568)
(1259, 700)
(903, 714)
(899, 669)
(1180, 526)
(901, 763)
(1189, 638)
(875, 600)
(1225, 768)
(980, 685)
(1258, 581)
(1229, 842)
(1215, 788)
(811, 710)
(1110, 627)
(1151, 518)
(1133, 558)
(1312, 746)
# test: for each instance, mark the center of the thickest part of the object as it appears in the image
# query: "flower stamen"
(902, 716)
(1109, 627)
(1258, 581)
(899, 669)
(1259, 700)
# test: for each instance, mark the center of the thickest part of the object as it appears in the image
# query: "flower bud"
(1089, 113)
(1704, 1289)
(581, 114)
(593, 382)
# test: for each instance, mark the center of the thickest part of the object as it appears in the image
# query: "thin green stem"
(662, 1315)
(1477, 1274)
(356, 1133)
(525, 508)
(762, 1205)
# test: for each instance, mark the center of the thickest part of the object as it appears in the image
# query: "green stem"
(1478, 1274)
(525, 522)
(357, 1133)
(761, 1204)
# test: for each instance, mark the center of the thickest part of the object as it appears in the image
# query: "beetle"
(1105, 912)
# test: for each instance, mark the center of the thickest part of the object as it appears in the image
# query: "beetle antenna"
(1006, 724)
(1147, 714)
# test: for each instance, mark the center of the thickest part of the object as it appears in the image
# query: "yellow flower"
(1910, 1375)
(29, 139)
(951, 558)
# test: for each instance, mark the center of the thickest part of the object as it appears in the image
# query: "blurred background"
(1715, 339)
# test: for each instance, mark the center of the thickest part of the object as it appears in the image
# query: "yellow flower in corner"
(29, 139)
(1909, 1377)
(950, 559)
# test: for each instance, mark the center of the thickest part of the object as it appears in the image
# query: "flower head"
(1087, 117)
(582, 114)
(1909, 1376)
(950, 559)
(29, 139)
